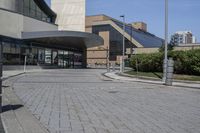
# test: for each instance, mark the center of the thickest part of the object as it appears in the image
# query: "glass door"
(54, 57)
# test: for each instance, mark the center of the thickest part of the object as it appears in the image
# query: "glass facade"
(116, 40)
(31, 9)
(148, 40)
(14, 52)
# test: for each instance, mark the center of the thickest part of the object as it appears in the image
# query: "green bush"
(186, 62)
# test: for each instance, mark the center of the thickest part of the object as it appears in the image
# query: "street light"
(166, 42)
(123, 64)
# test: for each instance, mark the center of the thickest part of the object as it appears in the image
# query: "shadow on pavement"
(11, 107)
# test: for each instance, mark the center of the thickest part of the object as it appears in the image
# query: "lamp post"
(123, 53)
(166, 42)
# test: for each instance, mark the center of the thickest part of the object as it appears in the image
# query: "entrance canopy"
(71, 39)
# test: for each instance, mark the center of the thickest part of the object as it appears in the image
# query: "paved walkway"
(82, 101)
(15, 117)
(116, 76)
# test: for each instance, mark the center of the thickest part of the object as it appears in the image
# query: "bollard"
(121, 64)
(170, 71)
(108, 67)
(113, 66)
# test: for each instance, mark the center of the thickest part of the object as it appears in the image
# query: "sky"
(183, 14)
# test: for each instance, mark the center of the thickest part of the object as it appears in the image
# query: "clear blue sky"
(183, 15)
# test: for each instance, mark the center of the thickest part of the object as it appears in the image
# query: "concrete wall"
(8, 4)
(70, 14)
(12, 24)
(36, 25)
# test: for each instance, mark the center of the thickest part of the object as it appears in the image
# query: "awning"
(72, 39)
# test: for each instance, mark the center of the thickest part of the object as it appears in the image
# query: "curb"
(3, 79)
(149, 81)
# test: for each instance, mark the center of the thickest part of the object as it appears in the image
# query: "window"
(31, 9)
(48, 56)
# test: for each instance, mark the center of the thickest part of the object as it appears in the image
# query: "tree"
(169, 48)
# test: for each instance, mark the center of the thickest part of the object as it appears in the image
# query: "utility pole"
(166, 43)
(123, 64)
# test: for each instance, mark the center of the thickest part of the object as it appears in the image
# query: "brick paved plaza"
(83, 101)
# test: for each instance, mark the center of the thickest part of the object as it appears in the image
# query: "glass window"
(55, 57)
(77, 59)
(38, 13)
(6, 47)
(26, 3)
(10, 53)
(32, 10)
(66, 59)
(60, 58)
(41, 55)
(48, 56)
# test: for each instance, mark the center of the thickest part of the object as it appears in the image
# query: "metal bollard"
(121, 64)
(170, 71)
(113, 66)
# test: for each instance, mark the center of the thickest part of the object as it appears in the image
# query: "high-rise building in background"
(70, 14)
(183, 37)
(194, 40)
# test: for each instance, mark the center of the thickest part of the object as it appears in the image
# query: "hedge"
(186, 62)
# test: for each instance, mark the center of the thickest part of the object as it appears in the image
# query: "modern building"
(29, 28)
(70, 14)
(182, 37)
(111, 30)
(194, 39)
(140, 26)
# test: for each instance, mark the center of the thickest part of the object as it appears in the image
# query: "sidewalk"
(10, 73)
(114, 75)
(15, 117)
(7, 74)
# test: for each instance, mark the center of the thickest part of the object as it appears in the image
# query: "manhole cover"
(113, 92)
(107, 80)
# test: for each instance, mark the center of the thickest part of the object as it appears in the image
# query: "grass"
(159, 75)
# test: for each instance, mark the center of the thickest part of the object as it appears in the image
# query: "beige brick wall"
(96, 54)
(99, 54)
(90, 19)
(98, 61)
(146, 50)
(186, 48)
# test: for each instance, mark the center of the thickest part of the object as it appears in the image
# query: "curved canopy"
(64, 38)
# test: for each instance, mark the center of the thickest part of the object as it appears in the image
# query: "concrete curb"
(5, 78)
(131, 79)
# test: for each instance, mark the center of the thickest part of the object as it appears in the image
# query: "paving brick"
(79, 101)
